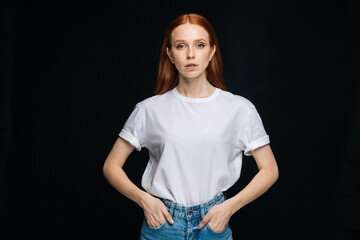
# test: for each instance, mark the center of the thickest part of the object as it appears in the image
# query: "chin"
(192, 76)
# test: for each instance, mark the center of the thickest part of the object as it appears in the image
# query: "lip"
(191, 65)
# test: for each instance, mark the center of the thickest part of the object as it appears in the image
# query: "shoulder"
(153, 101)
(237, 100)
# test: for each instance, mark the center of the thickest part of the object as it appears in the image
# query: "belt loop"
(202, 210)
(171, 209)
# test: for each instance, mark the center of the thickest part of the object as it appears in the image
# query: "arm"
(268, 174)
(154, 209)
(262, 181)
(116, 176)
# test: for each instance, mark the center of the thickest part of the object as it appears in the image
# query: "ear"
(169, 55)
(212, 53)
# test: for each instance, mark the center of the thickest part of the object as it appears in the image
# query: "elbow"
(105, 169)
(110, 168)
(276, 173)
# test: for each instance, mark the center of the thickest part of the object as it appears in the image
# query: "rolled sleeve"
(133, 129)
(252, 134)
(130, 138)
(256, 144)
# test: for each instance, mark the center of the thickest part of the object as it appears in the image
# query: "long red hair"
(168, 76)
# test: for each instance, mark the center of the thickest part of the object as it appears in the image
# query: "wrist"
(233, 205)
(141, 198)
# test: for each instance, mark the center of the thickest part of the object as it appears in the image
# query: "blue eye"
(199, 45)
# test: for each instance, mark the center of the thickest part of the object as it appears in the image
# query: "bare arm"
(115, 174)
(219, 215)
(154, 209)
(262, 181)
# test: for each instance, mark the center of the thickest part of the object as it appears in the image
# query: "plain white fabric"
(195, 145)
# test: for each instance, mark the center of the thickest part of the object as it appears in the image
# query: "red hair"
(168, 76)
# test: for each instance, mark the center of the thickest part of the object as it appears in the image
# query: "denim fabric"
(186, 220)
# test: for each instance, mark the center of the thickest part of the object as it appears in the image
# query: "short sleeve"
(252, 134)
(133, 129)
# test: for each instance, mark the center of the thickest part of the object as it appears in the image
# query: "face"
(190, 50)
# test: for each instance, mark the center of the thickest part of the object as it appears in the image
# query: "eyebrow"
(200, 39)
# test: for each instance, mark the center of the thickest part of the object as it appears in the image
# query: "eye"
(180, 46)
(201, 45)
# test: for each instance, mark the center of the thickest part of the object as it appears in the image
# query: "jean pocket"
(155, 228)
(215, 232)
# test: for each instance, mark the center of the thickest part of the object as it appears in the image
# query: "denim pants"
(186, 220)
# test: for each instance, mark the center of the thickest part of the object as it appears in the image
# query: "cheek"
(178, 65)
(178, 56)
(205, 55)
(206, 60)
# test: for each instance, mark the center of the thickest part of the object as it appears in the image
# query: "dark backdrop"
(71, 73)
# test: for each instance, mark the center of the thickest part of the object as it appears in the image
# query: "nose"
(190, 54)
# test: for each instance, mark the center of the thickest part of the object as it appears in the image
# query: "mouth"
(191, 65)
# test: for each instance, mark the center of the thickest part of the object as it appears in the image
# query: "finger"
(151, 221)
(204, 221)
(168, 216)
(154, 220)
(156, 223)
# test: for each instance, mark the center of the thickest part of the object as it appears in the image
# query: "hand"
(219, 215)
(155, 211)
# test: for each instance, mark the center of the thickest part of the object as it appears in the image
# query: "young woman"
(196, 132)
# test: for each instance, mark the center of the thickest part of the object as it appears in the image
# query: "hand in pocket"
(155, 211)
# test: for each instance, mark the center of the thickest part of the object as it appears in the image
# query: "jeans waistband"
(192, 211)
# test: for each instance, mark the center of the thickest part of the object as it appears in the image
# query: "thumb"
(204, 221)
(168, 217)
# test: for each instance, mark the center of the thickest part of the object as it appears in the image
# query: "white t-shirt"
(195, 144)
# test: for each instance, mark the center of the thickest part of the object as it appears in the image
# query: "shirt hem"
(130, 138)
(257, 143)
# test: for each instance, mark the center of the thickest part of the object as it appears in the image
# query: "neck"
(195, 87)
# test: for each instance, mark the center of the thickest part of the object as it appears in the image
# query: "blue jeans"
(186, 220)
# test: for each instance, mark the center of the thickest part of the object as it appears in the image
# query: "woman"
(195, 132)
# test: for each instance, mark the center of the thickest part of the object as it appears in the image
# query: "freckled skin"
(190, 44)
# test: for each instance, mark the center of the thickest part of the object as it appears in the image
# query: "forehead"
(189, 32)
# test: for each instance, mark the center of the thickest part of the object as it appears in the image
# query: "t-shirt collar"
(195, 100)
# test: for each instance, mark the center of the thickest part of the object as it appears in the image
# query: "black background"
(72, 72)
